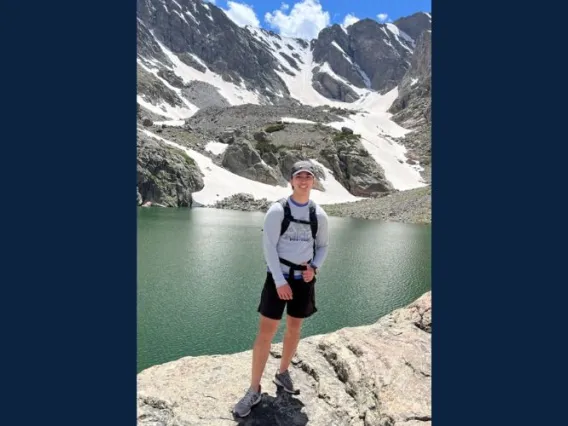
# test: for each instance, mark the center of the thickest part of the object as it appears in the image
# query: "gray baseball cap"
(302, 166)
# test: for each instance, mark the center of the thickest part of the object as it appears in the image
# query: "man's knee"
(293, 326)
(267, 328)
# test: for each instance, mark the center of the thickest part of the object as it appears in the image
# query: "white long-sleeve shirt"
(296, 244)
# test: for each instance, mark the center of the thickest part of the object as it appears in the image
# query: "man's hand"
(308, 274)
(284, 292)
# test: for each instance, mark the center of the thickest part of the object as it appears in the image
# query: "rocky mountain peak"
(415, 24)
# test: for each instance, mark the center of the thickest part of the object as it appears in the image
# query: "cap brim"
(303, 170)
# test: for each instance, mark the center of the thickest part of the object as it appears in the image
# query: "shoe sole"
(248, 412)
(279, 383)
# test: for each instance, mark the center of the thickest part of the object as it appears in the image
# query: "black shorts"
(302, 305)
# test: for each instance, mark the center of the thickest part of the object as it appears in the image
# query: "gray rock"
(146, 122)
(411, 206)
(270, 158)
(383, 57)
(154, 91)
(187, 59)
(139, 200)
(415, 24)
(243, 160)
(353, 167)
(171, 77)
(243, 202)
(203, 95)
(213, 120)
(378, 374)
(228, 136)
(332, 88)
(340, 62)
(290, 60)
(166, 175)
(262, 136)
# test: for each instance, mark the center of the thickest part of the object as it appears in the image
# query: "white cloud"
(349, 19)
(305, 20)
(285, 6)
(210, 1)
(242, 14)
(382, 17)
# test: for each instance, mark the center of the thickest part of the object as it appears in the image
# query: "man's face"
(303, 182)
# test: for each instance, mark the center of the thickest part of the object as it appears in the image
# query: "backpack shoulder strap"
(313, 219)
(287, 215)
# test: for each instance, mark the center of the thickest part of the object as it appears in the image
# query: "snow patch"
(296, 120)
(188, 13)
(234, 94)
(338, 47)
(327, 69)
(171, 123)
(177, 91)
(165, 109)
(330, 184)
(216, 148)
(181, 16)
(398, 33)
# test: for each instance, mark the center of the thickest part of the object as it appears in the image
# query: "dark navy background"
(69, 219)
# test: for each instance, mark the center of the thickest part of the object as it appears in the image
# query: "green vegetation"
(274, 128)
(186, 157)
(349, 137)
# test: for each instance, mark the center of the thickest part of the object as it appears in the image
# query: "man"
(293, 260)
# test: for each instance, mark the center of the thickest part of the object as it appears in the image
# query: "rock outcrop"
(415, 24)
(243, 160)
(166, 175)
(332, 88)
(353, 167)
(375, 375)
(243, 202)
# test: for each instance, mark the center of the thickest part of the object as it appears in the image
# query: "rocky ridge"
(412, 206)
(366, 54)
(412, 108)
(375, 375)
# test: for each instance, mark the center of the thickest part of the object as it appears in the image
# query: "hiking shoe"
(285, 381)
(244, 406)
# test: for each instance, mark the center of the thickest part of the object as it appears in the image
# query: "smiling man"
(295, 247)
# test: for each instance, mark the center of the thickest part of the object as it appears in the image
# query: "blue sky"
(305, 18)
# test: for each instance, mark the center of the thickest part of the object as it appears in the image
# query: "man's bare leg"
(261, 349)
(291, 340)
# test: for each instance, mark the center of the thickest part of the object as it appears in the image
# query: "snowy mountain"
(197, 70)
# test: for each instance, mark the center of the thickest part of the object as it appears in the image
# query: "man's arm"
(272, 223)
